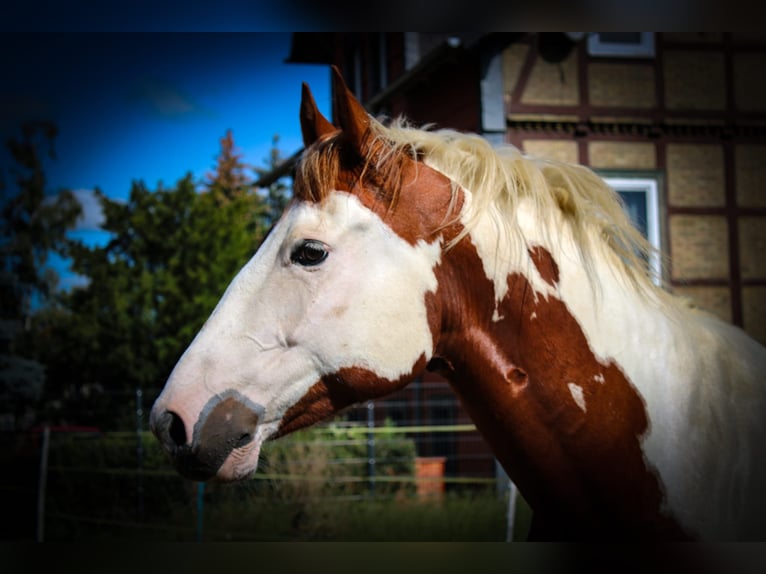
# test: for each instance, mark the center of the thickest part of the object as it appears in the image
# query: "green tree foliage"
(277, 194)
(229, 180)
(149, 290)
(34, 222)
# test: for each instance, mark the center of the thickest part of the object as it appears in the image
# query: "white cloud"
(92, 217)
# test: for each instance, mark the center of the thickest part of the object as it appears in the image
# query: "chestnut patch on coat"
(334, 392)
(583, 472)
(412, 198)
(546, 265)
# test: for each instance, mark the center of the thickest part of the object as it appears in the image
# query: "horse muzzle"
(198, 450)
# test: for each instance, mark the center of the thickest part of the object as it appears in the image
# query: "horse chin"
(240, 465)
(242, 462)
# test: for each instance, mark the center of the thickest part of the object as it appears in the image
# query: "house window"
(640, 197)
(621, 44)
(411, 49)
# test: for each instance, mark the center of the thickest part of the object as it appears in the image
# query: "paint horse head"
(523, 283)
(336, 307)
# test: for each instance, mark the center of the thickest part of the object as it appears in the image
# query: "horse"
(619, 410)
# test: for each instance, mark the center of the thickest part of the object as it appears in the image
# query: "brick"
(749, 38)
(693, 37)
(754, 312)
(553, 84)
(752, 247)
(622, 155)
(695, 175)
(561, 150)
(717, 300)
(694, 80)
(699, 247)
(750, 81)
(750, 169)
(621, 85)
(513, 60)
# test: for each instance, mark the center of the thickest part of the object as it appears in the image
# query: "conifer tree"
(277, 194)
(229, 180)
(34, 221)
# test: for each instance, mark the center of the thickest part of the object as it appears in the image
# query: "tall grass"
(459, 516)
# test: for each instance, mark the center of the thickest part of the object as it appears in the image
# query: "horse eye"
(309, 253)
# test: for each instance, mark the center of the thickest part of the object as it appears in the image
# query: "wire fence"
(371, 474)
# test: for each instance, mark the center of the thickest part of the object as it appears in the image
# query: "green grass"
(93, 495)
(464, 517)
(240, 517)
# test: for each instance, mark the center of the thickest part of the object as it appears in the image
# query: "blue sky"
(152, 107)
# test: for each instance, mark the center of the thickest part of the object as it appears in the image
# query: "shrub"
(334, 460)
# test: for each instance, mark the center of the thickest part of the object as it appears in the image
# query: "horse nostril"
(170, 429)
(176, 429)
(243, 439)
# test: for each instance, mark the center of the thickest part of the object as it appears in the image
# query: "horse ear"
(349, 113)
(313, 124)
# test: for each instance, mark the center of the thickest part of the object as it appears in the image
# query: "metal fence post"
(511, 510)
(139, 455)
(505, 486)
(200, 510)
(43, 483)
(371, 446)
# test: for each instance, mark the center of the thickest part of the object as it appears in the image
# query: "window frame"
(644, 48)
(650, 186)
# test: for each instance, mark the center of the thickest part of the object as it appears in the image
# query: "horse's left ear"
(350, 115)
(313, 124)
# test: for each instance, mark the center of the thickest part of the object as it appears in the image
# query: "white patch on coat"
(501, 256)
(577, 395)
(599, 378)
(280, 327)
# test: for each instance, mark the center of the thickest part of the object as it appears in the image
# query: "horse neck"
(563, 421)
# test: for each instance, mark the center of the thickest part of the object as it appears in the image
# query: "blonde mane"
(498, 179)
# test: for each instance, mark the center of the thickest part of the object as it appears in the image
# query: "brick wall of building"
(699, 247)
(553, 84)
(695, 175)
(621, 85)
(750, 178)
(694, 80)
(560, 150)
(627, 155)
(696, 115)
